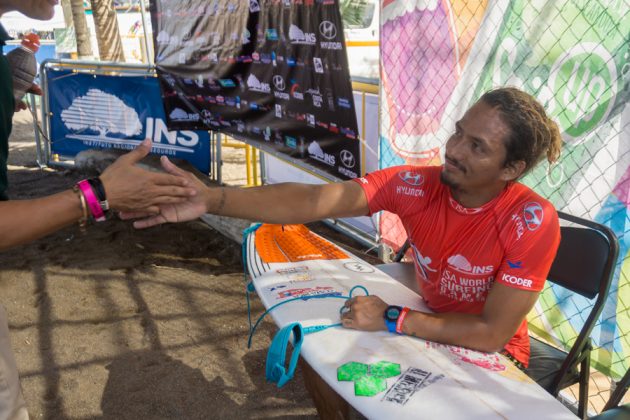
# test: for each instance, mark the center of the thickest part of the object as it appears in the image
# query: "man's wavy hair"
(533, 135)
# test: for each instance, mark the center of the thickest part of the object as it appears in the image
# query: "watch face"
(392, 313)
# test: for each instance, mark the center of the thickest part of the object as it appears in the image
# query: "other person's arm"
(127, 187)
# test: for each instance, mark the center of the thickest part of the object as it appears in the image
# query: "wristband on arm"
(99, 190)
(92, 200)
(401, 319)
(394, 317)
(84, 219)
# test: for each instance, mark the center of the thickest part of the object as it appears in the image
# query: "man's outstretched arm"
(286, 203)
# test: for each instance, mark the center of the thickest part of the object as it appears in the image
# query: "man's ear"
(513, 170)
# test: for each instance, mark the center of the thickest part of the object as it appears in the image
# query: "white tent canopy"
(14, 21)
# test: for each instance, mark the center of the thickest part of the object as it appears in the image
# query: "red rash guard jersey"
(460, 252)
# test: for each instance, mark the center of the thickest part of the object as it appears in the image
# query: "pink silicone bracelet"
(401, 319)
(92, 201)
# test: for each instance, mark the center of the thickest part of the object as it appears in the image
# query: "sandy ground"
(125, 324)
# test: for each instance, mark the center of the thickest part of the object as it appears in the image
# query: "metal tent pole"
(148, 53)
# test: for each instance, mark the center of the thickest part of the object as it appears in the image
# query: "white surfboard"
(382, 375)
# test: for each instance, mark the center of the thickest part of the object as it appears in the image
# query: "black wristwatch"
(391, 315)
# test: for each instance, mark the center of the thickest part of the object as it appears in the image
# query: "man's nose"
(455, 148)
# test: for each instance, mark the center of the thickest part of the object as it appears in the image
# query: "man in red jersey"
(482, 242)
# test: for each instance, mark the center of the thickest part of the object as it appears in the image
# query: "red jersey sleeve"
(532, 246)
(380, 189)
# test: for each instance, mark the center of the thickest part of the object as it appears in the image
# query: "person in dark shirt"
(122, 186)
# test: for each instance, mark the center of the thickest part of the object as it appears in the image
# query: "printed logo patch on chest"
(464, 281)
(461, 264)
(533, 215)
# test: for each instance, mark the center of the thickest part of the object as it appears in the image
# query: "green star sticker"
(369, 380)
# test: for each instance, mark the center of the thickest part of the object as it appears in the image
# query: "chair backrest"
(586, 257)
(584, 264)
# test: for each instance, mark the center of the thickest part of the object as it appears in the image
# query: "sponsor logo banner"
(282, 73)
(111, 112)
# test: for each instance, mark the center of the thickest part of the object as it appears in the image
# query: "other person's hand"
(34, 89)
(130, 188)
(365, 313)
(181, 211)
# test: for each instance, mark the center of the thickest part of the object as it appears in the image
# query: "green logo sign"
(584, 85)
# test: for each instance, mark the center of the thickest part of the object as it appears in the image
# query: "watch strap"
(391, 325)
(389, 322)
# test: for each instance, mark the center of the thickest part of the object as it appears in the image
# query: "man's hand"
(34, 89)
(365, 313)
(130, 188)
(181, 211)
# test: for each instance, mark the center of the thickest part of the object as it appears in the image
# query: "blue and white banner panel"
(116, 112)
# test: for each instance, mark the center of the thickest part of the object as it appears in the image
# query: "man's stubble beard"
(444, 179)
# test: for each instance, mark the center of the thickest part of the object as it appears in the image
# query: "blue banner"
(94, 111)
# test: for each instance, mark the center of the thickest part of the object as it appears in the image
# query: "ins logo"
(533, 215)
(347, 158)
(412, 178)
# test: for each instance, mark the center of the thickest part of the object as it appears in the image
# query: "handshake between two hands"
(152, 198)
(149, 198)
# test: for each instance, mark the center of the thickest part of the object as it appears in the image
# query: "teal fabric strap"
(275, 370)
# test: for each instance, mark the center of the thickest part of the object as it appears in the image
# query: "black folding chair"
(584, 265)
(620, 390)
(621, 412)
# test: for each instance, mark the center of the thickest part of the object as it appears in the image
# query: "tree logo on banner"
(101, 112)
(297, 36)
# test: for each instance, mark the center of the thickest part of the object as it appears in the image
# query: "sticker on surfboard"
(369, 379)
(296, 274)
(306, 292)
(410, 382)
(359, 267)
